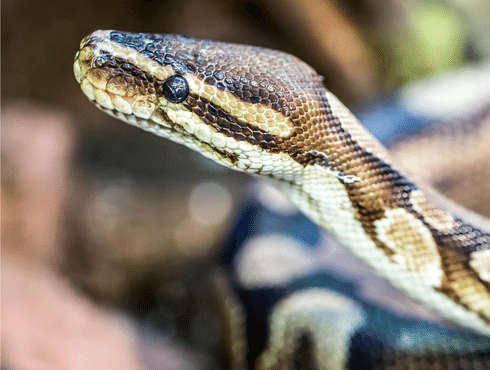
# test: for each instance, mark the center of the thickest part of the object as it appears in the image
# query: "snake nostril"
(99, 62)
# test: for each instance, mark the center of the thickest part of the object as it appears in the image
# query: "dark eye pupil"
(176, 89)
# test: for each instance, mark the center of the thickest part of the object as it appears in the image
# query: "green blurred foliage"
(436, 39)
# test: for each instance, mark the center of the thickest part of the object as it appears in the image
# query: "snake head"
(230, 102)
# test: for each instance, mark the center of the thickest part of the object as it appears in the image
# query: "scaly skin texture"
(268, 113)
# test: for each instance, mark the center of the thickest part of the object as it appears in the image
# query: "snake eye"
(176, 89)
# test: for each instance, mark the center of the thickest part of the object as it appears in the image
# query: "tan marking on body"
(326, 318)
(480, 262)
(464, 285)
(413, 244)
(437, 218)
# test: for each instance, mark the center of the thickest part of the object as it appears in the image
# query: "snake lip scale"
(268, 113)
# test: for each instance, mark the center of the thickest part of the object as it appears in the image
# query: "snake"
(267, 113)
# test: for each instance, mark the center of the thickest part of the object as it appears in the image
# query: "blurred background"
(109, 233)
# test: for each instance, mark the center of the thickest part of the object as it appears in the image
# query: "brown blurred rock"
(46, 323)
(36, 149)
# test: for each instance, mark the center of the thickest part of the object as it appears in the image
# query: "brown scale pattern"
(287, 85)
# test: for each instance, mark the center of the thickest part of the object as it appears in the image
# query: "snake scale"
(268, 113)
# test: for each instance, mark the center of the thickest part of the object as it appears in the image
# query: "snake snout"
(114, 78)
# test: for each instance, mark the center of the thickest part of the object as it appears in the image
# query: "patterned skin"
(268, 113)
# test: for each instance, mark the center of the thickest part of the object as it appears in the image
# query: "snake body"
(268, 113)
